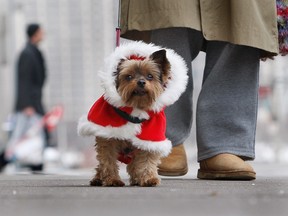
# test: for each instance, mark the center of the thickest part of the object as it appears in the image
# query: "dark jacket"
(30, 79)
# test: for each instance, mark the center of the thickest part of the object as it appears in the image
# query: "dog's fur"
(139, 84)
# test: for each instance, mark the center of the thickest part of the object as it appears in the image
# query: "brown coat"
(244, 22)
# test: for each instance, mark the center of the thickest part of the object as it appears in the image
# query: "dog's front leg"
(107, 171)
(143, 169)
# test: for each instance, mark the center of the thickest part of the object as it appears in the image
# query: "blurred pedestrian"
(30, 77)
(31, 74)
(235, 35)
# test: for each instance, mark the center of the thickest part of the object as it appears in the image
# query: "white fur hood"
(175, 87)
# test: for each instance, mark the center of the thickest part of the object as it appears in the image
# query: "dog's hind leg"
(143, 169)
(107, 171)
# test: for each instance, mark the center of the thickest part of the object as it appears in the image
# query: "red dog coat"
(104, 114)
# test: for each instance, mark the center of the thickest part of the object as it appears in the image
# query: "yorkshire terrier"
(128, 121)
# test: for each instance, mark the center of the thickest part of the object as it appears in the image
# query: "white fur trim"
(175, 87)
(87, 128)
(162, 147)
(128, 131)
(140, 114)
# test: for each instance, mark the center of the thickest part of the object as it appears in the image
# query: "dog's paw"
(152, 182)
(96, 182)
(114, 183)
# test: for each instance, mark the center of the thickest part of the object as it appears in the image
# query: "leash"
(118, 28)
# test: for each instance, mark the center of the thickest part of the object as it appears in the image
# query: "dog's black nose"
(141, 83)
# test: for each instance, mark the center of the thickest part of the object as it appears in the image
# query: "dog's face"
(140, 82)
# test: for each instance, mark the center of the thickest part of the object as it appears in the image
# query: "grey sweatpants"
(227, 105)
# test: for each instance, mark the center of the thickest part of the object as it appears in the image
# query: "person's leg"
(187, 43)
(23, 124)
(19, 129)
(227, 107)
(3, 161)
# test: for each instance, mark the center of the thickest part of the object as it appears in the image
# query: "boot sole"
(226, 175)
(181, 172)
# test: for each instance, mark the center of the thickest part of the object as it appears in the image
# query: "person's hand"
(264, 59)
(272, 57)
(29, 111)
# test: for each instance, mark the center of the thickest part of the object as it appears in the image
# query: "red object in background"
(118, 32)
(264, 91)
(52, 118)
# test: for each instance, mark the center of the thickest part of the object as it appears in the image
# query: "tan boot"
(226, 167)
(175, 164)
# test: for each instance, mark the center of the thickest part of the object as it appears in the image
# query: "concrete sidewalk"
(69, 194)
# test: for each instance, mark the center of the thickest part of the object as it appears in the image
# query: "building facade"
(78, 36)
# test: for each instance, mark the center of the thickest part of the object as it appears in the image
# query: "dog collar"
(128, 117)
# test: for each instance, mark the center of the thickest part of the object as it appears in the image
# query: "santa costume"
(110, 118)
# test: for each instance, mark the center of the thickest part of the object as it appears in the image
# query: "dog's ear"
(160, 58)
(118, 66)
(116, 73)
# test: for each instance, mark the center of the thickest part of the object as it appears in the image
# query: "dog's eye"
(150, 77)
(129, 77)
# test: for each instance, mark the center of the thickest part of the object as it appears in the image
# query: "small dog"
(128, 121)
